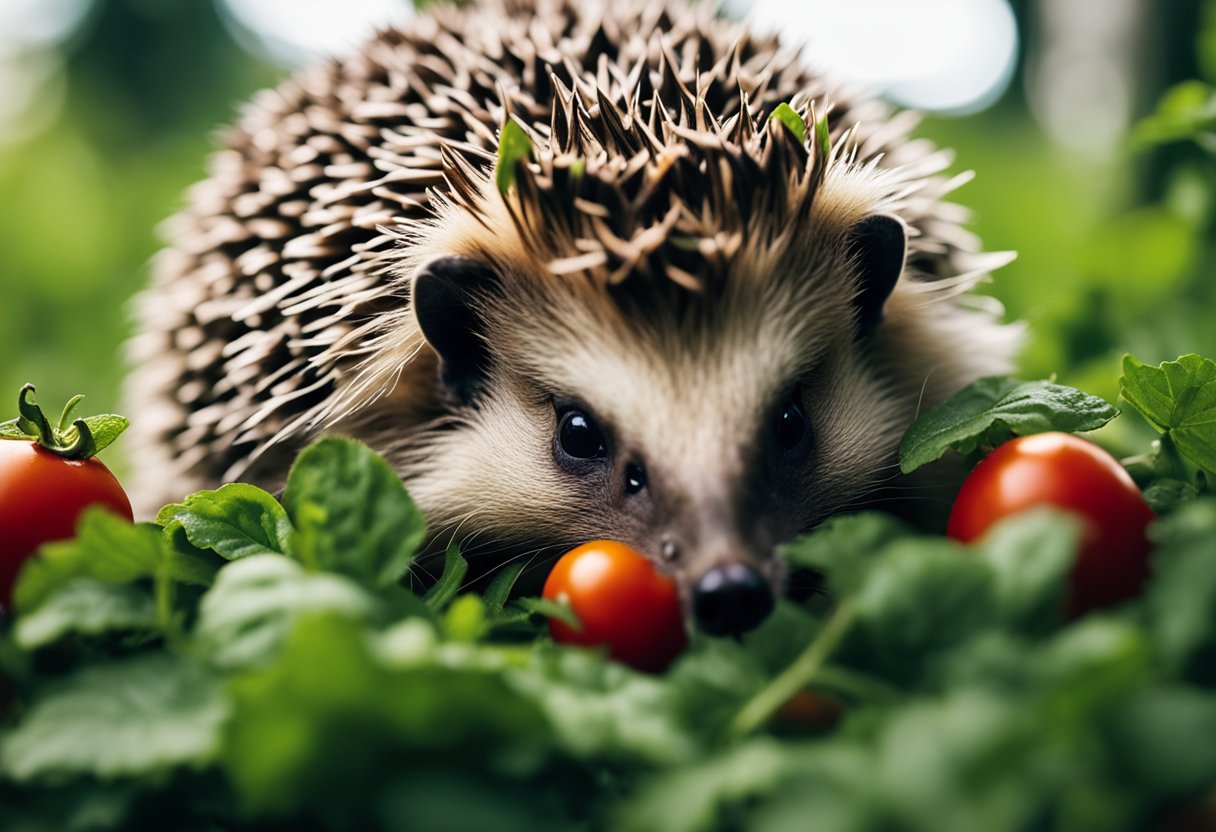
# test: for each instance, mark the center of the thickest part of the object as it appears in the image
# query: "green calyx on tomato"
(71, 437)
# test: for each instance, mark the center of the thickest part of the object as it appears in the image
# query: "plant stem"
(1175, 468)
(801, 672)
(855, 686)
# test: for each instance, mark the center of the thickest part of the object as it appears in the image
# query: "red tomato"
(622, 602)
(41, 495)
(1062, 470)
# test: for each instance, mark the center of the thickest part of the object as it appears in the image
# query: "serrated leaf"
(513, 145)
(86, 607)
(246, 616)
(455, 567)
(786, 115)
(129, 718)
(352, 513)
(235, 521)
(1179, 399)
(12, 429)
(993, 410)
(105, 428)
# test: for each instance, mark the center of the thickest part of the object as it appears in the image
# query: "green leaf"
(12, 430)
(1153, 741)
(602, 711)
(69, 413)
(1165, 496)
(1186, 111)
(923, 598)
(246, 616)
(1179, 399)
(845, 547)
(129, 718)
(1181, 595)
(107, 549)
(466, 619)
(455, 567)
(105, 428)
(561, 610)
(499, 590)
(786, 115)
(993, 410)
(1031, 555)
(332, 717)
(86, 607)
(701, 796)
(823, 137)
(513, 145)
(84, 806)
(235, 521)
(353, 513)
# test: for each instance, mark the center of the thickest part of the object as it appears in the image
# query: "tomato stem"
(801, 672)
(72, 439)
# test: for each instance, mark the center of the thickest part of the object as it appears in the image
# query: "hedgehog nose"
(731, 599)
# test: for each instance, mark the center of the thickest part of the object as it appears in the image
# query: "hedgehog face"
(702, 428)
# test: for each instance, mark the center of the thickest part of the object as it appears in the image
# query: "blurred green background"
(109, 107)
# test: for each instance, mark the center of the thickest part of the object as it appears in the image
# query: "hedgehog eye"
(791, 426)
(579, 437)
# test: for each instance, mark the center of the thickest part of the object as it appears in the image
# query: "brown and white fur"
(668, 260)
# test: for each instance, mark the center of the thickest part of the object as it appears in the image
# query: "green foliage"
(514, 146)
(236, 521)
(1186, 112)
(351, 513)
(993, 410)
(134, 717)
(87, 607)
(790, 119)
(455, 567)
(296, 686)
(1179, 400)
(158, 685)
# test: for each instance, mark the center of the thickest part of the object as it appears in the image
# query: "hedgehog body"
(682, 323)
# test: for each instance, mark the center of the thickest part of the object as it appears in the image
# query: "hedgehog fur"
(658, 189)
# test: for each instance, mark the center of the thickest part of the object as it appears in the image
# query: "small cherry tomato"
(1062, 470)
(622, 602)
(46, 480)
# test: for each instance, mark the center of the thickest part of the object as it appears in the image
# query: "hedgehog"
(695, 314)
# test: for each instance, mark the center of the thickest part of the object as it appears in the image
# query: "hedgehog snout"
(731, 599)
(727, 588)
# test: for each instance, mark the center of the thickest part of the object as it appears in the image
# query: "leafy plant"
(245, 664)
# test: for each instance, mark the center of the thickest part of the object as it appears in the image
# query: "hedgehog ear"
(444, 298)
(876, 246)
